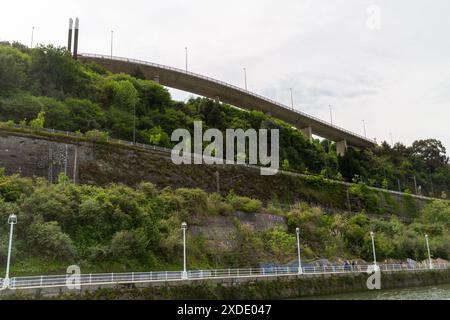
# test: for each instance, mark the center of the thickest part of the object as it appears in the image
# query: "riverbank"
(275, 288)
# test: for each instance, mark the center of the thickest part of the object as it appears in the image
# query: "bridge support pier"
(341, 147)
(156, 79)
(217, 99)
(307, 132)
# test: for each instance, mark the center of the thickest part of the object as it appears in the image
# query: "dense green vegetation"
(117, 228)
(44, 86)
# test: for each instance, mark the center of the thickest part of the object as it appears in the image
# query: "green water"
(441, 292)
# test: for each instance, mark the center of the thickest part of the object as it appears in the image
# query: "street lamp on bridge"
(245, 79)
(292, 98)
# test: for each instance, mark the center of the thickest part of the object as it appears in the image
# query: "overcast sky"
(331, 52)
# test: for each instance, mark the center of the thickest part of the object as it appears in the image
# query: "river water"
(441, 292)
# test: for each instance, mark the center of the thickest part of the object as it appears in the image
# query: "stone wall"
(46, 155)
(36, 156)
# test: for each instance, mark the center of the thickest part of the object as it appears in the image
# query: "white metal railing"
(168, 152)
(196, 75)
(164, 276)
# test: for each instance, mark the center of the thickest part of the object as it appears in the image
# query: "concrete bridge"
(238, 97)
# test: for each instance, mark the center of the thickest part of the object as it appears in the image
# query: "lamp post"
(372, 235)
(300, 270)
(32, 37)
(331, 114)
(429, 253)
(185, 274)
(112, 43)
(245, 79)
(12, 220)
(186, 56)
(292, 99)
(364, 125)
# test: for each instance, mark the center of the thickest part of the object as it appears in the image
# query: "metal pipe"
(75, 45)
(69, 41)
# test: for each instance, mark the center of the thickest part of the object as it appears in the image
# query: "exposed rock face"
(219, 232)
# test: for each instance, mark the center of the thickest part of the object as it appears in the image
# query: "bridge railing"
(160, 66)
(164, 276)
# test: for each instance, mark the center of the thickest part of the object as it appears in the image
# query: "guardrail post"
(42, 280)
(112, 277)
(166, 275)
(132, 277)
(90, 278)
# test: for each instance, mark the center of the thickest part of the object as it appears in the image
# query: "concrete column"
(217, 99)
(156, 79)
(341, 147)
(307, 132)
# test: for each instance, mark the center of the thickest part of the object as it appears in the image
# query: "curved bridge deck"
(233, 95)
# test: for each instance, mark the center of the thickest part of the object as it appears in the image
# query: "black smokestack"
(69, 42)
(75, 45)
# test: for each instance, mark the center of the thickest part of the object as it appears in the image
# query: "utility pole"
(415, 184)
(134, 124)
(432, 187)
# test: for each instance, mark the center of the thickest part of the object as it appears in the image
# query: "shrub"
(280, 243)
(216, 205)
(48, 239)
(97, 136)
(195, 200)
(244, 204)
(129, 245)
(39, 122)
